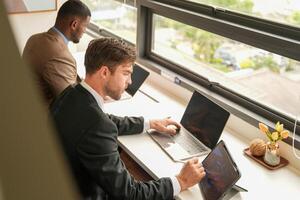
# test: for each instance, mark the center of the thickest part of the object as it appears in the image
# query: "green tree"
(294, 18)
(267, 62)
(204, 43)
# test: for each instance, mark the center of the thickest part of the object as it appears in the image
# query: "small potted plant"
(272, 156)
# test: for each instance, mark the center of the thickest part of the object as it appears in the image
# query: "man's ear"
(104, 72)
(74, 23)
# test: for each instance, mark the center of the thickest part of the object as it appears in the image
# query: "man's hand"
(191, 173)
(166, 125)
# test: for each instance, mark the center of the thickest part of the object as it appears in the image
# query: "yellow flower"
(274, 135)
(284, 134)
(263, 128)
(279, 127)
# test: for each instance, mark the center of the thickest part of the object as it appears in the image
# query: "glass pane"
(283, 11)
(119, 18)
(267, 78)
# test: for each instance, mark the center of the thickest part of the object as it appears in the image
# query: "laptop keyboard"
(188, 143)
(182, 139)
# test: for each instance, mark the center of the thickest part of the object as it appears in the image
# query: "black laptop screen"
(138, 77)
(204, 119)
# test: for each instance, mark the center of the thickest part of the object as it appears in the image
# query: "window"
(265, 77)
(118, 17)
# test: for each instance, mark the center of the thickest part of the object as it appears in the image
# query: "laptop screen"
(221, 173)
(204, 119)
(138, 77)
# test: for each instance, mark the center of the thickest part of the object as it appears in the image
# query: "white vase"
(272, 156)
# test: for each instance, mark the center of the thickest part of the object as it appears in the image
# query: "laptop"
(221, 174)
(201, 127)
(138, 77)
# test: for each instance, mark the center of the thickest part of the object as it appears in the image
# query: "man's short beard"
(74, 38)
(75, 41)
(112, 94)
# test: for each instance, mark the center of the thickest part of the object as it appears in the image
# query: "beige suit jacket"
(52, 63)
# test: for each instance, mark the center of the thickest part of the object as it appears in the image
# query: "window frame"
(250, 21)
(263, 40)
(275, 42)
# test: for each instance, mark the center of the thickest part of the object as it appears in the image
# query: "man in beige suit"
(48, 54)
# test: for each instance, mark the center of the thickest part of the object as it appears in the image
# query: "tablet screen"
(221, 173)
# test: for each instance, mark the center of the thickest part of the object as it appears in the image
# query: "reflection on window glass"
(268, 78)
(119, 18)
(283, 11)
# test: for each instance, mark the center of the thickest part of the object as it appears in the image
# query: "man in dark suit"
(48, 53)
(89, 136)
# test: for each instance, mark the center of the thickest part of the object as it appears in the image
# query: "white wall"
(27, 24)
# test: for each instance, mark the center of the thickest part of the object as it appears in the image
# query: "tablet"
(221, 173)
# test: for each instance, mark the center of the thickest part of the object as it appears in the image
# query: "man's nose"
(129, 81)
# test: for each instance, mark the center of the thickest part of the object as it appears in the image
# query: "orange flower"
(275, 136)
(284, 134)
(263, 128)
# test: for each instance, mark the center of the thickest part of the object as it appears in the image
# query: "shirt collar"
(99, 99)
(61, 34)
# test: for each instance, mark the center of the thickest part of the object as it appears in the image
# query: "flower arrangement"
(272, 156)
(275, 136)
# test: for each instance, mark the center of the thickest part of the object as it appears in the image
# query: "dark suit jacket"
(89, 138)
(51, 61)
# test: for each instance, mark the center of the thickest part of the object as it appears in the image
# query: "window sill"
(242, 122)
